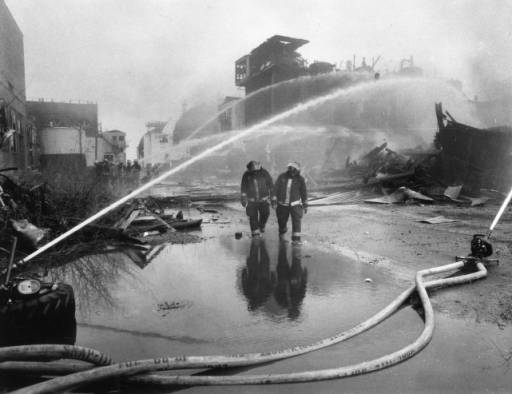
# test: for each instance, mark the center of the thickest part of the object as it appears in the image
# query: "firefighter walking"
(290, 199)
(256, 189)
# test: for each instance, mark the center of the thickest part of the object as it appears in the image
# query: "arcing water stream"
(398, 111)
(343, 93)
(241, 134)
(334, 80)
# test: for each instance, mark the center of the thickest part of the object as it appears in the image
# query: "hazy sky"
(141, 59)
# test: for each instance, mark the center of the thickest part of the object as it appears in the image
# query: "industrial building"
(275, 60)
(49, 113)
(263, 70)
(69, 138)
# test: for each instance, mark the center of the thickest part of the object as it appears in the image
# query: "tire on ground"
(50, 305)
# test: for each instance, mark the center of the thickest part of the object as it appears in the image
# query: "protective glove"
(243, 201)
(305, 209)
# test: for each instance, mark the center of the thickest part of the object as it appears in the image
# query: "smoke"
(478, 35)
(491, 59)
(399, 111)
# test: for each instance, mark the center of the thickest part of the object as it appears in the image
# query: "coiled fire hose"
(128, 369)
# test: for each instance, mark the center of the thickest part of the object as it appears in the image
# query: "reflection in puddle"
(291, 280)
(221, 295)
(287, 284)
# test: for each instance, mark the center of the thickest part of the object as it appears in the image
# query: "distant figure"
(136, 172)
(120, 170)
(98, 168)
(291, 199)
(107, 168)
(136, 165)
(256, 190)
(128, 170)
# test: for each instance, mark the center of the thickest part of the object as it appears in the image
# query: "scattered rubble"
(168, 306)
(437, 220)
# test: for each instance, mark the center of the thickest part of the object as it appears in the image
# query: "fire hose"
(128, 369)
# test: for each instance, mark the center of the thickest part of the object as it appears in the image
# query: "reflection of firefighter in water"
(257, 280)
(291, 280)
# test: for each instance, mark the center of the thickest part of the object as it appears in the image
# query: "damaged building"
(473, 157)
(275, 78)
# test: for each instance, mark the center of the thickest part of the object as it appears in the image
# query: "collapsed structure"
(476, 158)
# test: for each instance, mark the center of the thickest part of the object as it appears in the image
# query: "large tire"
(49, 318)
(50, 305)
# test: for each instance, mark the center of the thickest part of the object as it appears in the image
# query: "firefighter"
(290, 199)
(256, 191)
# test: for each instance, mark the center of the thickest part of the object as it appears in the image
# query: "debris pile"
(380, 163)
(38, 214)
(468, 166)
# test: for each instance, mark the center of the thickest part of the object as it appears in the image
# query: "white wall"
(157, 148)
(62, 140)
(70, 140)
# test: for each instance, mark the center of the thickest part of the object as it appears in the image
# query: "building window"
(114, 138)
(121, 138)
(164, 139)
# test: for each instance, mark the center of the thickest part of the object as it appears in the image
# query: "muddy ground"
(393, 237)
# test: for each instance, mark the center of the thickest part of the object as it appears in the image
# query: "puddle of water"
(221, 296)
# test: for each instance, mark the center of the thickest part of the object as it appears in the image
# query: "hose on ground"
(181, 362)
(142, 366)
(32, 352)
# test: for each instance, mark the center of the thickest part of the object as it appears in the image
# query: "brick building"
(17, 137)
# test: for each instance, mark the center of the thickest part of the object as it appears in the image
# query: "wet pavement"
(226, 296)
